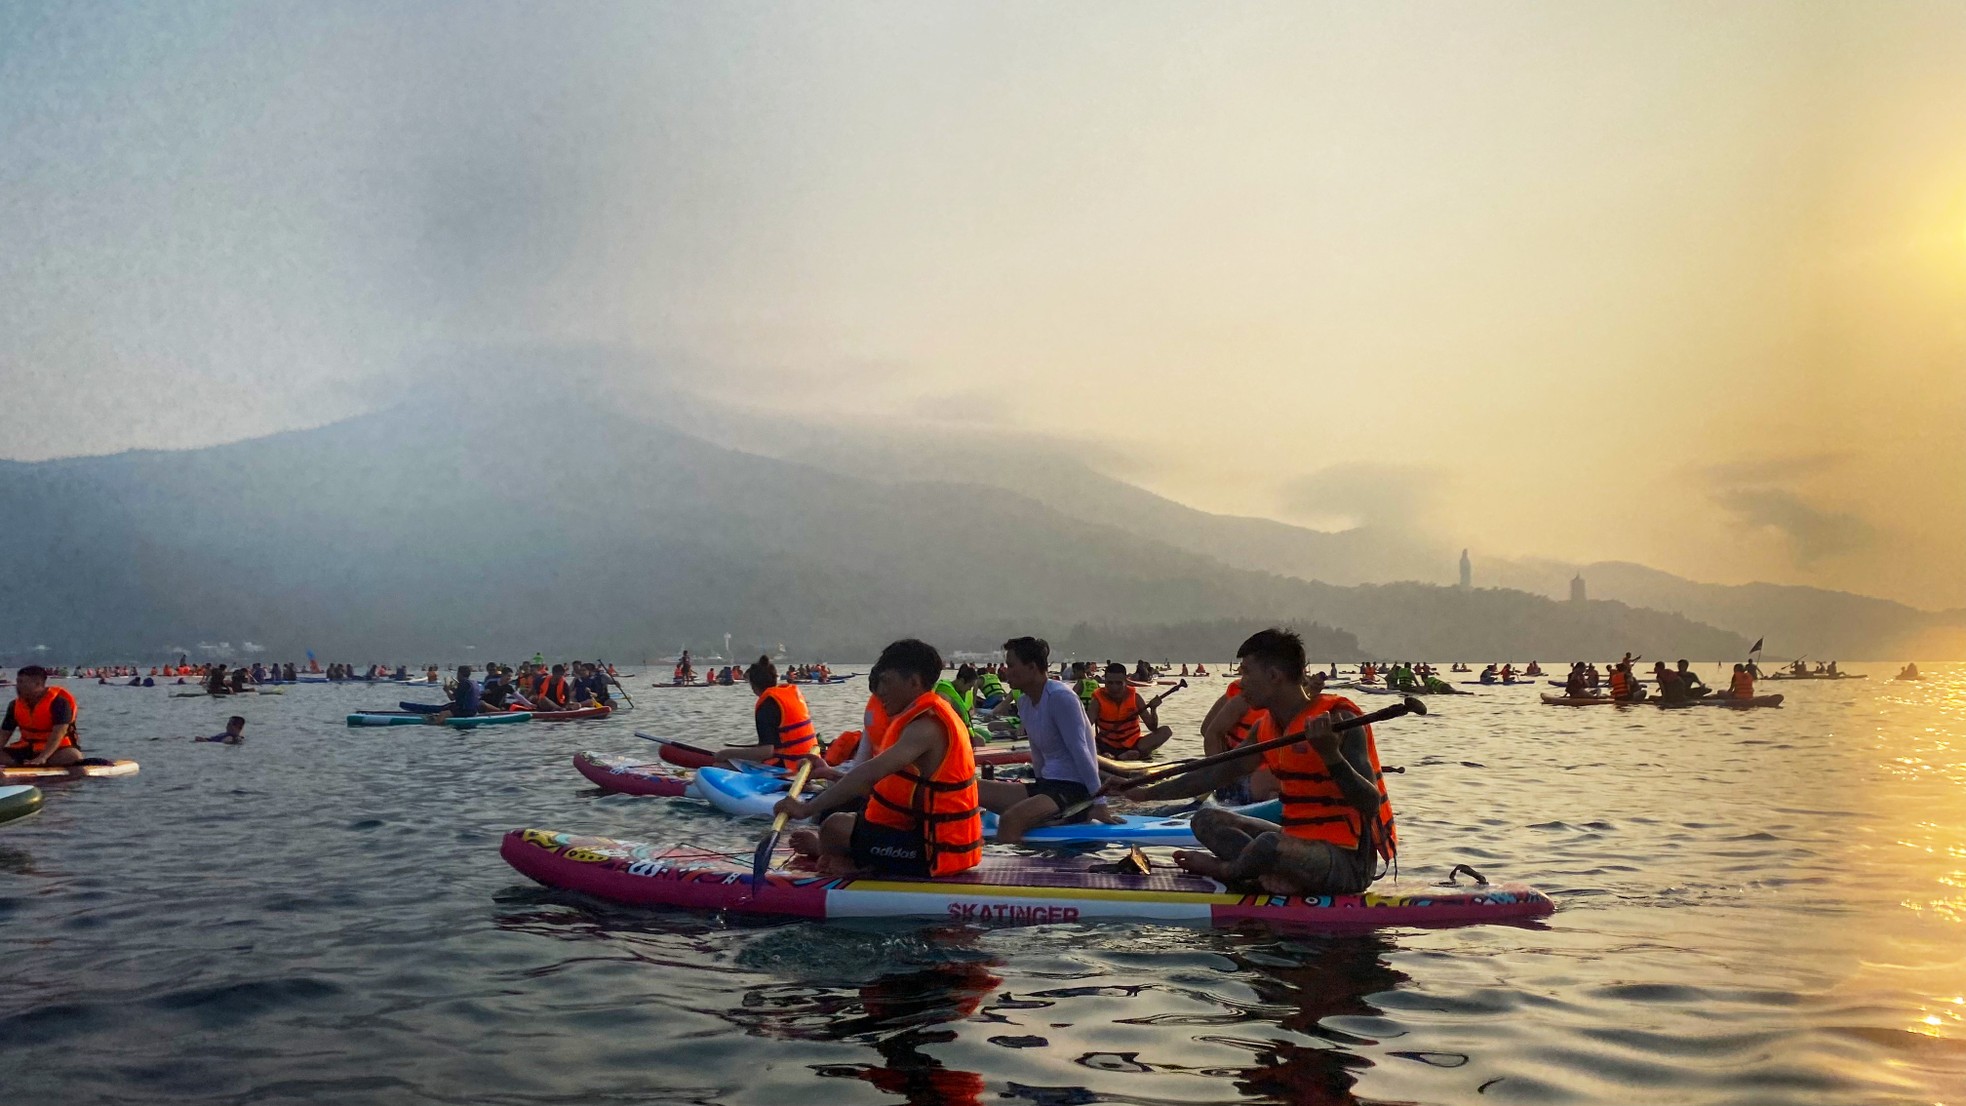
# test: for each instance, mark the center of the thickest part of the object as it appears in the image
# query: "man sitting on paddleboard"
(1337, 822)
(1061, 748)
(784, 722)
(1229, 723)
(590, 686)
(845, 753)
(555, 693)
(466, 702)
(1126, 728)
(990, 692)
(1670, 689)
(922, 817)
(961, 691)
(40, 722)
(499, 693)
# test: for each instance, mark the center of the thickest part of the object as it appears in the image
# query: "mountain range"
(1793, 620)
(452, 530)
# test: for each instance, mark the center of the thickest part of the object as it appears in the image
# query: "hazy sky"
(1676, 283)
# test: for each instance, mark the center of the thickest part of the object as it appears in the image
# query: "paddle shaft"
(1410, 706)
(763, 858)
(683, 745)
(1153, 703)
(625, 697)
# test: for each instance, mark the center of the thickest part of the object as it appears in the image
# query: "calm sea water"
(1765, 907)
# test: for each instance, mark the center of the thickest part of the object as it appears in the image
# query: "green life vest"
(964, 702)
(990, 684)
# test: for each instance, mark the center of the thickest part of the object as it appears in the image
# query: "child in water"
(235, 732)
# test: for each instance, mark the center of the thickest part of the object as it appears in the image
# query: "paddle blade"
(1415, 706)
(761, 860)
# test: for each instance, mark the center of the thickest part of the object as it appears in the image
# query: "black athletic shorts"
(1236, 794)
(890, 852)
(1065, 793)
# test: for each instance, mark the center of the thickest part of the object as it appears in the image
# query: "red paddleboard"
(629, 775)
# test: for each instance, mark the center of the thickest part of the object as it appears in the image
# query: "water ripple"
(1754, 908)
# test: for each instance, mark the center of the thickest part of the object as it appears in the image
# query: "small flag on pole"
(1756, 649)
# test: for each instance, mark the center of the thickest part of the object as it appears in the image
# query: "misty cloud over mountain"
(459, 518)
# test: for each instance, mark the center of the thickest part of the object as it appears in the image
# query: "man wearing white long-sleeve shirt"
(1062, 752)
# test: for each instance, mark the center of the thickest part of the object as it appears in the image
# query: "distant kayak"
(18, 801)
(1816, 676)
(92, 766)
(1003, 890)
(378, 718)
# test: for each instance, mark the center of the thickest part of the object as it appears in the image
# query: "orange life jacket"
(943, 808)
(1239, 732)
(841, 749)
(1743, 685)
(1621, 684)
(1118, 727)
(1314, 807)
(553, 689)
(796, 736)
(874, 721)
(35, 724)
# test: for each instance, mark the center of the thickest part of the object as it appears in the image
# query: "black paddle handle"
(1410, 706)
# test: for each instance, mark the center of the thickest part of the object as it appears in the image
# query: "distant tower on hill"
(1467, 571)
(1577, 588)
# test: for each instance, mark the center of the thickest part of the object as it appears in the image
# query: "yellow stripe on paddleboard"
(1007, 891)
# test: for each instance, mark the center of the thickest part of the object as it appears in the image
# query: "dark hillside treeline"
(400, 535)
